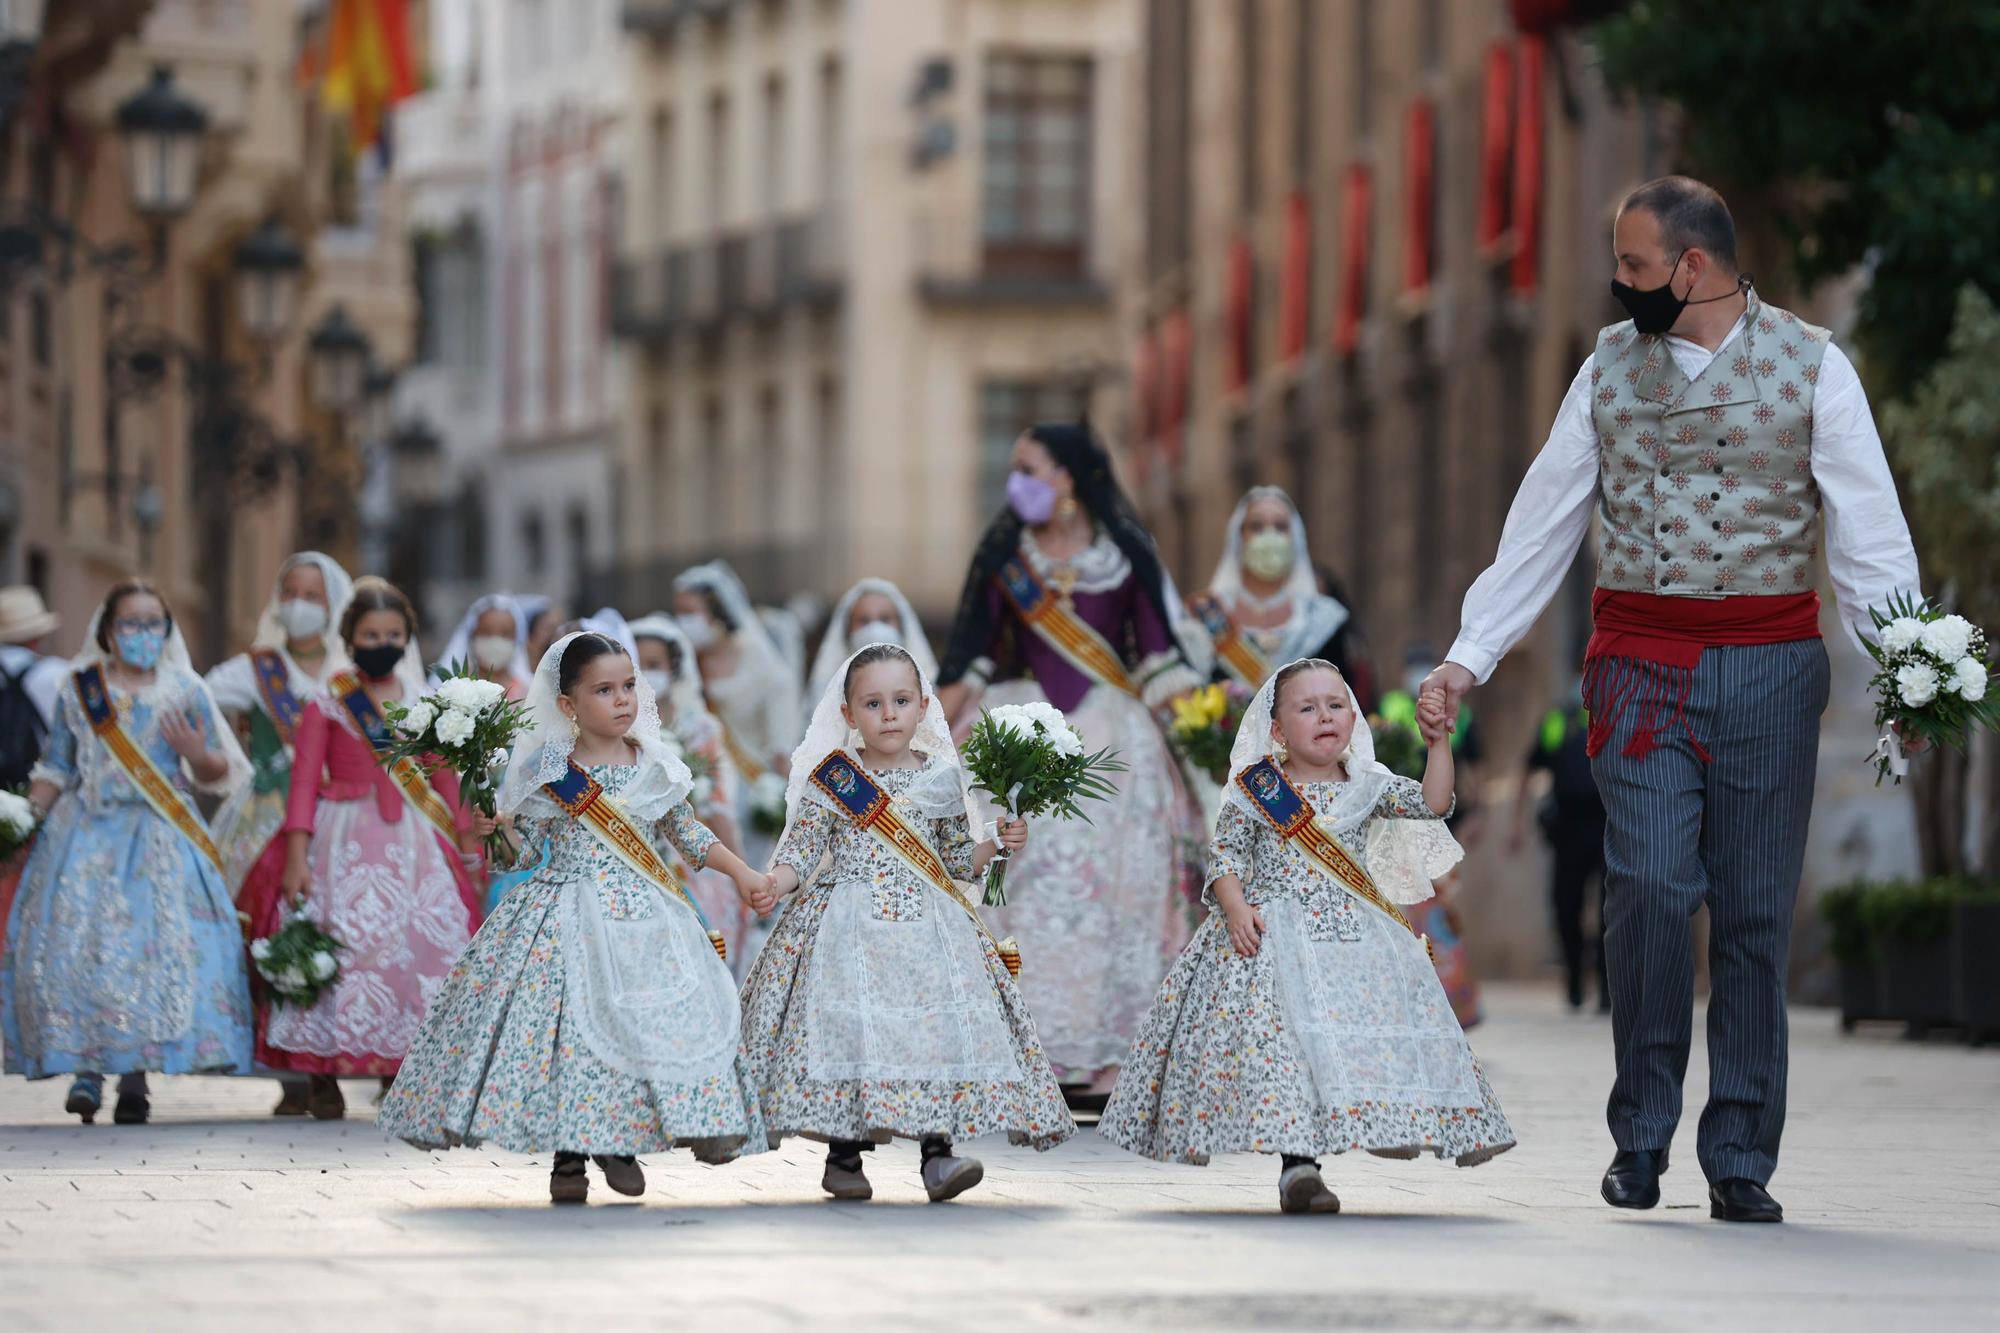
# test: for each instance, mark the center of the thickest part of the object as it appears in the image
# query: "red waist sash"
(1644, 649)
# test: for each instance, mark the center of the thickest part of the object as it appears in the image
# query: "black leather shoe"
(1742, 1201)
(1633, 1179)
(134, 1108)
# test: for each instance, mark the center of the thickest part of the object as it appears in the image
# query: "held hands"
(1246, 927)
(1444, 689)
(1435, 716)
(759, 890)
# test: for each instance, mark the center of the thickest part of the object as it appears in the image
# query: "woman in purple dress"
(1067, 602)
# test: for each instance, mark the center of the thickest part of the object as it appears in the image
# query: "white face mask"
(874, 631)
(302, 619)
(661, 681)
(495, 652)
(1269, 554)
(700, 630)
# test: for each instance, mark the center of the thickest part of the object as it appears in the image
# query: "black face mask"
(1655, 311)
(379, 662)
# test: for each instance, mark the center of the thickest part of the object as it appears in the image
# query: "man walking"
(1719, 439)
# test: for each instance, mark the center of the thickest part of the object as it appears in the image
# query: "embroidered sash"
(1231, 648)
(585, 799)
(1292, 816)
(167, 802)
(407, 774)
(869, 807)
(1059, 626)
(274, 686)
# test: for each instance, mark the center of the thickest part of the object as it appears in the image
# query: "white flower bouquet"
(467, 724)
(1030, 760)
(17, 823)
(298, 963)
(1930, 680)
(767, 805)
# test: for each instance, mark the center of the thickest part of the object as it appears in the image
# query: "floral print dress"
(589, 1014)
(1336, 1036)
(878, 1010)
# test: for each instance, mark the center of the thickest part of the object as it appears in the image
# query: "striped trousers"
(1730, 833)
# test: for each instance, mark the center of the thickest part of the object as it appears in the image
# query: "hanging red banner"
(1295, 305)
(1419, 195)
(1356, 214)
(1528, 168)
(1496, 136)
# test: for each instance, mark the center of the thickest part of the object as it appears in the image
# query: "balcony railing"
(652, 296)
(957, 264)
(661, 16)
(809, 260)
(751, 274)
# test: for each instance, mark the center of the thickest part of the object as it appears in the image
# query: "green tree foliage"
(1869, 130)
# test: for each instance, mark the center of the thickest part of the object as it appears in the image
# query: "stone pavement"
(216, 1216)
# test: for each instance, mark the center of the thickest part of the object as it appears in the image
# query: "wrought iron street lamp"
(339, 362)
(269, 264)
(163, 133)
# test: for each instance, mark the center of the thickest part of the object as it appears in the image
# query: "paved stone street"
(217, 1216)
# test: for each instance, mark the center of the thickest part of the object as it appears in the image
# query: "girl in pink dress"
(387, 874)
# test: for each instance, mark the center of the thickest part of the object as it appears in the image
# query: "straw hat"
(23, 615)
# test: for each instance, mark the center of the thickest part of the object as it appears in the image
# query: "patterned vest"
(1706, 486)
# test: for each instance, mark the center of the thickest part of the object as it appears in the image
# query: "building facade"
(864, 244)
(145, 426)
(508, 168)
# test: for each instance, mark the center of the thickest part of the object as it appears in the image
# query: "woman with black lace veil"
(1067, 602)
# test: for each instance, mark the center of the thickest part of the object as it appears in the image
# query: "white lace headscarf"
(541, 752)
(175, 679)
(610, 622)
(1404, 855)
(339, 587)
(942, 792)
(1301, 585)
(458, 648)
(834, 646)
(718, 579)
(684, 696)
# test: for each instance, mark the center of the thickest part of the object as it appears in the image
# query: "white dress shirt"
(1868, 551)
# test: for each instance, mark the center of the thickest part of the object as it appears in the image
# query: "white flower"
(17, 813)
(323, 965)
(454, 726)
(1917, 683)
(468, 695)
(291, 979)
(768, 792)
(1014, 718)
(1948, 638)
(417, 717)
(1969, 679)
(1065, 741)
(1901, 634)
(260, 949)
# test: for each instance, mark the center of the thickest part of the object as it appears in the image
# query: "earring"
(1279, 750)
(1066, 508)
(574, 730)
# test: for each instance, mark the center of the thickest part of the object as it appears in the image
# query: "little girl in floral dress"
(591, 1015)
(880, 1007)
(1305, 1017)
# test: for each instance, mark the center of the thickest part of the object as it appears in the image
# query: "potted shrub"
(1975, 971)
(1843, 910)
(1911, 927)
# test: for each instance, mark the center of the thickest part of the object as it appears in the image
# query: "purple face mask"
(1032, 499)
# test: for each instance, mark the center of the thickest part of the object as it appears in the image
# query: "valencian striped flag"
(363, 64)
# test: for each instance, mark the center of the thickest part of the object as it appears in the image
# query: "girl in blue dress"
(124, 952)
